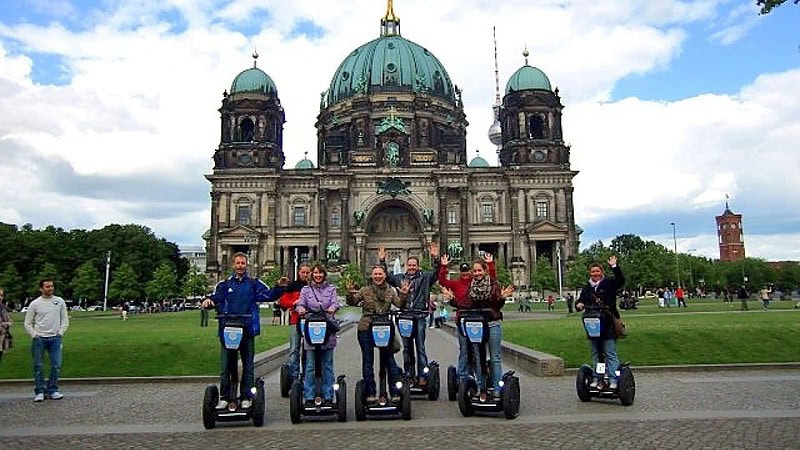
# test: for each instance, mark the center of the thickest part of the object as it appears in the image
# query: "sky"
(108, 108)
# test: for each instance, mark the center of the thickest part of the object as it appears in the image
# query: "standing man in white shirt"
(46, 321)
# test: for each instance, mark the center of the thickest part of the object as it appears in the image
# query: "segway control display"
(381, 335)
(232, 337)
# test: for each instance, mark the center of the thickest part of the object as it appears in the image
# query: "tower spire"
(525, 53)
(255, 57)
(496, 71)
(390, 23)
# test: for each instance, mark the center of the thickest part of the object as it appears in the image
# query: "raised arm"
(443, 279)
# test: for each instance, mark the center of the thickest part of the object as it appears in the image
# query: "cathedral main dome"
(390, 63)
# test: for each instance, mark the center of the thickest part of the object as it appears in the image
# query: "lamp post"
(677, 264)
(105, 288)
(691, 275)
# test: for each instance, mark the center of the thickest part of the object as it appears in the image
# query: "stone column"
(344, 217)
(323, 221)
(212, 261)
(272, 220)
(516, 249)
(465, 219)
(442, 194)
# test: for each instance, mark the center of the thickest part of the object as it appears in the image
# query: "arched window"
(246, 130)
(535, 127)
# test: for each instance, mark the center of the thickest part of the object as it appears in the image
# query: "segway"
(313, 329)
(232, 334)
(626, 384)
(407, 327)
(382, 330)
(471, 399)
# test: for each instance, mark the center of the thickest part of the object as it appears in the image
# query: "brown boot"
(422, 382)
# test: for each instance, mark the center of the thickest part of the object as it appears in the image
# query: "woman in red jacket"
(288, 301)
(460, 288)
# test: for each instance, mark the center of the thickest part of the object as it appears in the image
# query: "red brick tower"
(730, 235)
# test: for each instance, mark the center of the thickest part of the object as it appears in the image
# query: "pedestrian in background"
(46, 321)
(742, 294)
(765, 293)
(570, 303)
(203, 317)
(5, 325)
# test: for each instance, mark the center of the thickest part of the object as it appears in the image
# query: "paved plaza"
(731, 409)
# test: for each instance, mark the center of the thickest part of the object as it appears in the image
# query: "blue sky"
(108, 107)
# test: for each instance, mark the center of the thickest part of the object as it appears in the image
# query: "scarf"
(594, 284)
(480, 290)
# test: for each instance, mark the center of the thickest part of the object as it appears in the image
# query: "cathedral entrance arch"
(395, 225)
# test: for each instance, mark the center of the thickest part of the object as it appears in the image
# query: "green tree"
(353, 273)
(164, 284)
(272, 276)
(124, 284)
(195, 284)
(88, 283)
(503, 275)
(544, 276)
(625, 245)
(768, 5)
(11, 282)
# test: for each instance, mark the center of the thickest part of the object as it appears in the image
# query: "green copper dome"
(390, 63)
(528, 78)
(253, 80)
(304, 164)
(478, 162)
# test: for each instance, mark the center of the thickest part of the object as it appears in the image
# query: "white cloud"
(143, 99)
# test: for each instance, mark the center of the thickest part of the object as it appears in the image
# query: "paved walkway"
(744, 409)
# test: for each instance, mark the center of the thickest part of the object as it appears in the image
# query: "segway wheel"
(434, 384)
(582, 383)
(341, 402)
(259, 406)
(210, 400)
(360, 407)
(295, 401)
(452, 384)
(627, 387)
(286, 381)
(465, 391)
(405, 400)
(510, 396)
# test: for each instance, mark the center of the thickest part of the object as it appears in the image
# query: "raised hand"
(351, 287)
(612, 260)
(381, 253)
(447, 293)
(434, 249)
(283, 281)
(507, 291)
(300, 310)
(488, 257)
(405, 286)
(445, 259)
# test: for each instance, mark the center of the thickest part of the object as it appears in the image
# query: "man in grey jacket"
(420, 283)
(46, 321)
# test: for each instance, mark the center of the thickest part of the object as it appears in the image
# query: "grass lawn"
(661, 339)
(101, 345)
(651, 306)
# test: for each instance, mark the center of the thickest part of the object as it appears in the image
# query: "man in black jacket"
(602, 292)
(420, 283)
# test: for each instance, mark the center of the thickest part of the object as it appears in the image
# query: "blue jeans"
(309, 383)
(229, 369)
(294, 352)
(609, 347)
(421, 357)
(463, 354)
(494, 345)
(53, 347)
(368, 364)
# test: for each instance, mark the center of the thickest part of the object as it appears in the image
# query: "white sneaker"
(593, 384)
(430, 328)
(38, 398)
(246, 403)
(613, 384)
(56, 395)
(222, 404)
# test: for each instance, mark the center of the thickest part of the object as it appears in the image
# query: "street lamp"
(691, 275)
(105, 287)
(677, 264)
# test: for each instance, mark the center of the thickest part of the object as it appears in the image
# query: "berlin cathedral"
(391, 169)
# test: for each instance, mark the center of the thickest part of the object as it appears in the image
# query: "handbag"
(396, 345)
(619, 328)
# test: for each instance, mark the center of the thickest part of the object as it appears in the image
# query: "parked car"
(95, 308)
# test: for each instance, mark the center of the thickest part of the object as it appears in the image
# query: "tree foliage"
(88, 283)
(503, 274)
(164, 284)
(768, 5)
(352, 273)
(272, 276)
(11, 283)
(31, 250)
(124, 285)
(544, 276)
(195, 284)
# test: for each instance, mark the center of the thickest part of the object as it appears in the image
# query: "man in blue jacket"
(240, 294)
(419, 293)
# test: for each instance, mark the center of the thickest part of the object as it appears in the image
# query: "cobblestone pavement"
(743, 409)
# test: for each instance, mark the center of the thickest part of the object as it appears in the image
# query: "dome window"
(391, 67)
(390, 45)
(345, 75)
